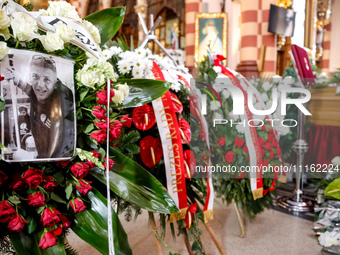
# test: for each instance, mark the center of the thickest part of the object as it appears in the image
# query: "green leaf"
(2, 104)
(89, 128)
(143, 91)
(39, 210)
(32, 223)
(14, 200)
(28, 244)
(133, 183)
(68, 189)
(108, 21)
(333, 189)
(91, 226)
(58, 177)
(87, 155)
(56, 198)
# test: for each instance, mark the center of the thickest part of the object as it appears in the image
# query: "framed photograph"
(210, 32)
(38, 123)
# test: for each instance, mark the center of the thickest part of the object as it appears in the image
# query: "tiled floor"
(271, 233)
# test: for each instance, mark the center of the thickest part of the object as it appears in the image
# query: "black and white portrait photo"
(38, 123)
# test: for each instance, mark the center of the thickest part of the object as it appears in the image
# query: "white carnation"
(5, 21)
(62, 9)
(4, 50)
(52, 42)
(328, 239)
(90, 78)
(93, 30)
(24, 27)
(65, 32)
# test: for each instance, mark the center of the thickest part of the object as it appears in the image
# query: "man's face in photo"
(43, 81)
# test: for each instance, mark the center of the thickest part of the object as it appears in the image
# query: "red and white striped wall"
(326, 45)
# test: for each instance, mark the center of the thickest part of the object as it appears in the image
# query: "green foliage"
(333, 189)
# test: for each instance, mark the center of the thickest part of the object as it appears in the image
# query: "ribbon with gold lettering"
(252, 140)
(172, 148)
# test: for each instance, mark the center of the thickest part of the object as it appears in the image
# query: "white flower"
(107, 54)
(62, 9)
(124, 66)
(115, 50)
(284, 130)
(218, 116)
(137, 73)
(175, 86)
(90, 78)
(52, 42)
(289, 80)
(5, 33)
(336, 161)
(124, 88)
(65, 32)
(93, 30)
(183, 69)
(234, 116)
(328, 239)
(4, 50)
(214, 106)
(217, 69)
(264, 97)
(118, 98)
(24, 27)
(141, 52)
(267, 86)
(226, 93)
(240, 128)
(5, 21)
(277, 78)
(138, 63)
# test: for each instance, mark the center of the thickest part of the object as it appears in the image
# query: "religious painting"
(172, 33)
(210, 33)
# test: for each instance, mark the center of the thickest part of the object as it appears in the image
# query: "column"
(326, 45)
(191, 8)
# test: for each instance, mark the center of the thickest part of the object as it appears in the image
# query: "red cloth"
(323, 143)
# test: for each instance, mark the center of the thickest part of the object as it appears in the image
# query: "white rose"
(4, 50)
(124, 88)
(24, 27)
(62, 9)
(118, 98)
(52, 42)
(90, 78)
(5, 21)
(336, 161)
(65, 32)
(93, 30)
(5, 33)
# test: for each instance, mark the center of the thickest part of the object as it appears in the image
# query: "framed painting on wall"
(210, 32)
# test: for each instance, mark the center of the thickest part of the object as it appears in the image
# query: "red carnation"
(278, 151)
(49, 184)
(80, 170)
(77, 205)
(189, 163)
(178, 107)
(6, 211)
(150, 150)
(115, 129)
(99, 135)
(111, 163)
(36, 199)
(64, 221)
(99, 112)
(268, 146)
(18, 183)
(84, 187)
(102, 96)
(245, 149)
(271, 155)
(50, 217)
(184, 129)
(221, 141)
(47, 240)
(33, 177)
(126, 121)
(261, 142)
(229, 156)
(63, 162)
(17, 223)
(239, 142)
(3, 177)
(143, 117)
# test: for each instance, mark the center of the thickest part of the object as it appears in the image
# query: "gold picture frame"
(210, 28)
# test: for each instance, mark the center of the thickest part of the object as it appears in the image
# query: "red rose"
(6, 211)
(270, 137)
(184, 129)
(115, 129)
(261, 142)
(111, 163)
(221, 141)
(33, 177)
(84, 187)
(278, 151)
(99, 135)
(102, 96)
(262, 152)
(18, 183)
(265, 162)
(95, 154)
(101, 124)
(50, 217)
(17, 223)
(268, 146)
(178, 107)
(271, 155)
(64, 221)
(80, 170)
(276, 171)
(245, 149)
(143, 117)
(99, 112)
(126, 121)
(229, 156)
(239, 142)
(47, 240)
(263, 128)
(3, 177)
(36, 199)
(275, 142)
(63, 162)
(77, 205)
(49, 184)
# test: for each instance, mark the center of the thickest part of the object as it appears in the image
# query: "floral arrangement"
(40, 201)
